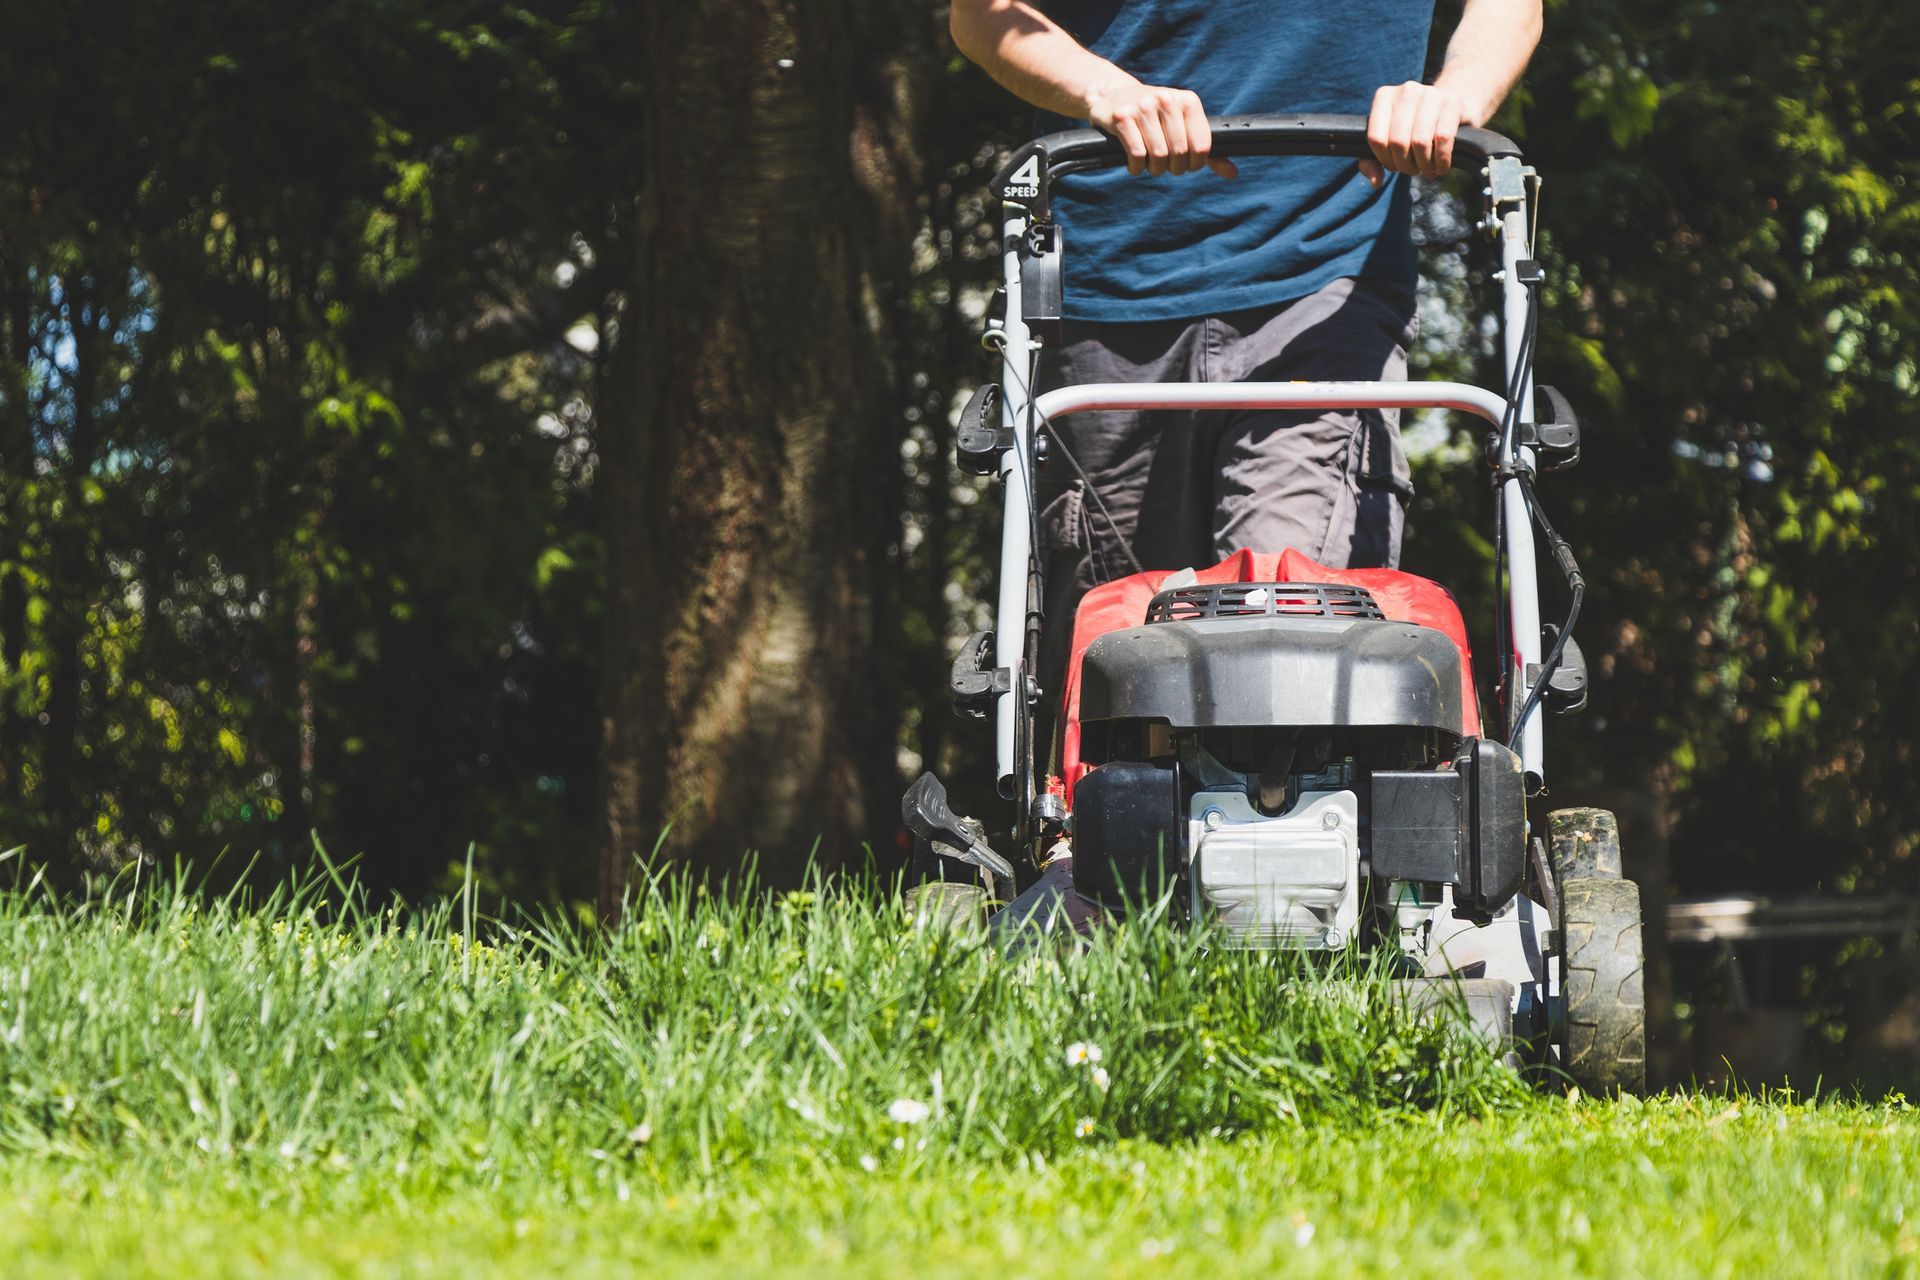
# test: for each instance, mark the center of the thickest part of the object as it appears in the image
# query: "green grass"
(304, 1085)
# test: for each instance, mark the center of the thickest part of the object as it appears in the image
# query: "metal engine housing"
(1289, 880)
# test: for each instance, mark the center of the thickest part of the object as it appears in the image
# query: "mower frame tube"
(1016, 528)
(1459, 396)
(1523, 584)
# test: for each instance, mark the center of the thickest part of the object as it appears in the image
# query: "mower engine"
(1294, 765)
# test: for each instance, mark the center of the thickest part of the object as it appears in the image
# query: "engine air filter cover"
(1264, 600)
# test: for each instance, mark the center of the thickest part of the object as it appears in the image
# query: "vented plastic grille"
(1263, 600)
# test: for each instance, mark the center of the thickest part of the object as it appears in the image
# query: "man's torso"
(1182, 247)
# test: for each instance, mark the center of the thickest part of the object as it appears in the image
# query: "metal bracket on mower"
(1508, 180)
(1567, 687)
(1554, 440)
(1042, 281)
(975, 683)
(927, 814)
(980, 440)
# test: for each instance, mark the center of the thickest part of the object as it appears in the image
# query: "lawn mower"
(1294, 752)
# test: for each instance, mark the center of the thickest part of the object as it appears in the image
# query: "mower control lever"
(928, 815)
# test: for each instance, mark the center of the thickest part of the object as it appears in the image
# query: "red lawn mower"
(1297, 753)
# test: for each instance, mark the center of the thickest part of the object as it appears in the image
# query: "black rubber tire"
(1605, 1049)
(1584, 843)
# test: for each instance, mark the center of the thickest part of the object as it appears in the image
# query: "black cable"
(1576, 584)
(1091, 490)
(1522, 368)
(1086, 481)
(1026, 468)
(1028, 780)
(1502, 655)
(1023, 458)
(1509, 422)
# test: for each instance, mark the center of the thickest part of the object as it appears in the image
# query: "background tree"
(751, 475)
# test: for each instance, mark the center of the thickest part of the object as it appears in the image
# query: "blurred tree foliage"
(299, 308)
(1733, 241)
(308, 315)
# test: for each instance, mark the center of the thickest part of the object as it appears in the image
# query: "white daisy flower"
(1101, 1080)
(1082, 1054)
(908, 1111)
(1083, 1127)
(868, 1163)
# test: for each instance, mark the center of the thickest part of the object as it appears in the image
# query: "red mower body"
(1122, 603)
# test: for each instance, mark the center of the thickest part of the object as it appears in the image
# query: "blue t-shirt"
(1175, 248)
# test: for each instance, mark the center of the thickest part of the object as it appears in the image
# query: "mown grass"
(308, 1085)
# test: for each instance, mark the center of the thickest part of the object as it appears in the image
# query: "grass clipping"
(708, 1031)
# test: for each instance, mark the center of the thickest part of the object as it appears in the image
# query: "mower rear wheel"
(1605, 1047)
(1584, 842)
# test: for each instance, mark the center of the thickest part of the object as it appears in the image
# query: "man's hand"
(1412, 128)
(1164, 130)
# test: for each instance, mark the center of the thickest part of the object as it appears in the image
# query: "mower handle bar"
(1029, 173)
(1460, 397)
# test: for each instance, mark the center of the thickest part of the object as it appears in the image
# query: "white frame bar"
(1016, 536)
(1461, 396)
(1523, 583)
(1010, 612)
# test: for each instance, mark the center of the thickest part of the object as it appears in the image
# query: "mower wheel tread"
(1606, 1013)
(1585, 843)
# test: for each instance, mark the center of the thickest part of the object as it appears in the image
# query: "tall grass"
(711, 1029)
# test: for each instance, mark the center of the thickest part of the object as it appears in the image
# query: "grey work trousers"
(1188, 488)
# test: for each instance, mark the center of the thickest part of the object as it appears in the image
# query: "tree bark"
(746, 439)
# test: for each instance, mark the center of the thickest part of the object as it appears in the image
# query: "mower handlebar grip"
(1030, 171)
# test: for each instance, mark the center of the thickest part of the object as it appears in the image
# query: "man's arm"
(1163, 129)
(1412, 126)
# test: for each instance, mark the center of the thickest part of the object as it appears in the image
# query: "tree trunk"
(746, 440)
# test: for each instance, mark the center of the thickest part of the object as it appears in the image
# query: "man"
(1298, 268)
